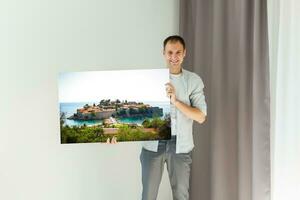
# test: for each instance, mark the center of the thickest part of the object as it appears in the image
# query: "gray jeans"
(178, 166)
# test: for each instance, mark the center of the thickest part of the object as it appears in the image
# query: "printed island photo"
(84, 121)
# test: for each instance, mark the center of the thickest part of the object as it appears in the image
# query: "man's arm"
(191, 112)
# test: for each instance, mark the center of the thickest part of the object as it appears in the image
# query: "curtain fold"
(285, 108)
(227, 45)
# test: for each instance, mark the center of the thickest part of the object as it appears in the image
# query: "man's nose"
(174, 57)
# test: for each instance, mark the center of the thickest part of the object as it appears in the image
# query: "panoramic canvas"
(130, 105)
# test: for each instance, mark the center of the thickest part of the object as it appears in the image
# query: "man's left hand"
(170, 90)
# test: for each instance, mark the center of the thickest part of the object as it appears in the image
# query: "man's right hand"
(112, 141)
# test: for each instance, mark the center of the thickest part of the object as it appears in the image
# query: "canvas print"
(129, 104)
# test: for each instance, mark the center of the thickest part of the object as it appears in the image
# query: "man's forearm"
(190, 112)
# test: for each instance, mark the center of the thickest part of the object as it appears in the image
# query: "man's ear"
(184, 52)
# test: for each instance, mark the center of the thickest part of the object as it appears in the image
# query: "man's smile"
(174, 62)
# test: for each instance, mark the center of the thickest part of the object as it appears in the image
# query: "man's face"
(174, 54)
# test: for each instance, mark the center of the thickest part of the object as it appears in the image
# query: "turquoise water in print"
(70, 108)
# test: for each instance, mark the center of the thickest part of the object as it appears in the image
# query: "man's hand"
(113, 140)
(170, 90)
(191, 112)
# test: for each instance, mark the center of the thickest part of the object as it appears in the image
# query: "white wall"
(39, 39)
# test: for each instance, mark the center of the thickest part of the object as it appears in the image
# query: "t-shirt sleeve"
(197, 97)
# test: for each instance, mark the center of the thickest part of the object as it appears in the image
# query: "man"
(185, 91)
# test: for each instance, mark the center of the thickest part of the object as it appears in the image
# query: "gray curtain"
(227, 46)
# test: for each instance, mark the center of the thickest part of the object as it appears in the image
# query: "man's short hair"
(174, 38)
